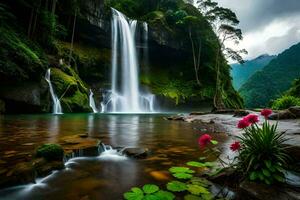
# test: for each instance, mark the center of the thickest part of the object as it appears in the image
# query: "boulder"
(136, 152)
(291, 113)
(44, 167)
(241, 113)
(22, 173)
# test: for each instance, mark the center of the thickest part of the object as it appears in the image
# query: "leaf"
(266, 172)
(182, 175)
(214, 142)
(197, 190)
(268, 164)
(279, 178)
(200, 181)
(207, 196)
(209, 164)
(195, 164)
(176, 186)
(253, 176)
(191, 197)
(135, 194)
(202, 158)
(150, 188)
(164, 195)
(151, 197)
(181, 170)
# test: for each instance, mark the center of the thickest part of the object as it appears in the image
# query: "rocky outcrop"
(25, 97)
(291, 113)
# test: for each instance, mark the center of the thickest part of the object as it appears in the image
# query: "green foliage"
(285, 102)
(197, 189)
(150, 188)
(273, 79)
(50, 152)
(135, 194)
(181, 170)
(263, 154)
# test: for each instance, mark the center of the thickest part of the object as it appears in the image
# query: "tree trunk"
(35, 18)
(30, 22)
(194, 58)
(53, 7)
(72, 39)
(218, 102)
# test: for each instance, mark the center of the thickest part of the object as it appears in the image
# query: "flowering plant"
(262, 154)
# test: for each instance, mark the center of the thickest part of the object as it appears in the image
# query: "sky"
(268, 26)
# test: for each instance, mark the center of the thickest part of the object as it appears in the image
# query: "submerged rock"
(136, 152)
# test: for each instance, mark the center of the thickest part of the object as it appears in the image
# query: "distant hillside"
(241, 73)
(275, 78)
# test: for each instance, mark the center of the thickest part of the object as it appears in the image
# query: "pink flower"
(243, 124)
(266, 113)
(235, 146)
(204, 140)
(251, 118)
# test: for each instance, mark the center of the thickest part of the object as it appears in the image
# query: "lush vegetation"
(290, 97)
(273, 79)
(242, 72)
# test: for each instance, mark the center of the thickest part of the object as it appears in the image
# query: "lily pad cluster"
(148, 192)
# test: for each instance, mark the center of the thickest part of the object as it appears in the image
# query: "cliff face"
(168, 70)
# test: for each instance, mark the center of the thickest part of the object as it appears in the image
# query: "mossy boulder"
(50, 152)
(70, 89)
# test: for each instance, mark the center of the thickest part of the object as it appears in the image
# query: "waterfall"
(125, 95)
(56, 102)
(92, 102)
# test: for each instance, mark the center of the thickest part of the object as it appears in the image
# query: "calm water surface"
(171, 143)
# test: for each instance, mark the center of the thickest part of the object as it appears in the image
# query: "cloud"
(269, 26)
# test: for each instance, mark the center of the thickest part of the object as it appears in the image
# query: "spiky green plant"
(263, 154)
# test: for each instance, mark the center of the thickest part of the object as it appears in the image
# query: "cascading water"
(56, 102)
(125, 95)
(92, 102)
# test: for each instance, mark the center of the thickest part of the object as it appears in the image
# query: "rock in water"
(136, 152)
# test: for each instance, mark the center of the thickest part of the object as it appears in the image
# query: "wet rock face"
(26, 97)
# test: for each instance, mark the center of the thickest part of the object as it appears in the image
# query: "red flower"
(266, 113)
(204, 140)
(251, 118)
(243, 124)
(235, 146)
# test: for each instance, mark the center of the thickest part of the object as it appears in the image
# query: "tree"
(224, 22)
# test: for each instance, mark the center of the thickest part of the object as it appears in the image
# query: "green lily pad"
(181, 170)
(135, 194)
(191, 197)
(195, 164)
(151, 197)
(176, 186)
(164, 195)
(197, 189)
(150, 188)
(182, 175)
(199, 181)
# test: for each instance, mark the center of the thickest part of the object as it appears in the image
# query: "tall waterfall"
(56, 102)
(125, 95)
(92, 102)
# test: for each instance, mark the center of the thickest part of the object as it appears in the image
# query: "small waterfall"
(56, 102)
(125, 95)
(92, 102)
(108, 153)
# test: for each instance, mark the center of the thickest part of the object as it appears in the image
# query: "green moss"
(20, 59)
(50, 152)
(70, 89)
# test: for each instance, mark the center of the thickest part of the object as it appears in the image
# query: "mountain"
(242, 72)
(275, 78)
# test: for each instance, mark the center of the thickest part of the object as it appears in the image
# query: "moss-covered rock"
(50, 152)
(70, 89)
